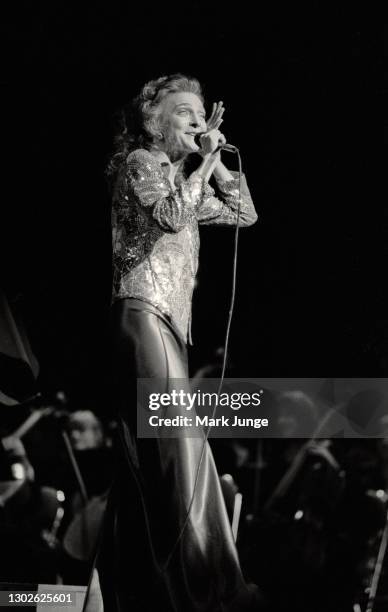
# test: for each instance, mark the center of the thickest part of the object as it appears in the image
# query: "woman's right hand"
(210, 141)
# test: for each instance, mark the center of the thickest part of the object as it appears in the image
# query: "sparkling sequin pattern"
(155, 233)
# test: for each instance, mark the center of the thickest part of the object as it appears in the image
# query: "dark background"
(300, 90)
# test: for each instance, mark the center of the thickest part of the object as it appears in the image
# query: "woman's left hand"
(215, 119)
(211, 139)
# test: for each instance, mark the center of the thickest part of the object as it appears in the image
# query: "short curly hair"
(139, 122)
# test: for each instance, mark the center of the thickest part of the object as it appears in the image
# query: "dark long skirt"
(145, 562)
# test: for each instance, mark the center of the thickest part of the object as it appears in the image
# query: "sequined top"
(155, 232)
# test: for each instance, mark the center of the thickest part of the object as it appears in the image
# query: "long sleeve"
(171, 209)
(223, 211)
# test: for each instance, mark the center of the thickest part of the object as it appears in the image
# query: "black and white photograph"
(193, 314)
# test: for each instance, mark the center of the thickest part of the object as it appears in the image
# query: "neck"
(169, 153)
(176, 158)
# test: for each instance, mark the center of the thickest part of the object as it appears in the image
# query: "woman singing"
(167, 543)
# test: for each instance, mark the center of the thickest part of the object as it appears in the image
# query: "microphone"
(222, 147)
(227, 147)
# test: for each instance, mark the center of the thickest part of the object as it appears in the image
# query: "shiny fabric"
(155, 232)
(140, 568)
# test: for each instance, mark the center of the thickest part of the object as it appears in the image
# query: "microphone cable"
(378, 568)
(226, 346)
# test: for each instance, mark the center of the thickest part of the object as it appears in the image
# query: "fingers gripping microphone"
(221, 147)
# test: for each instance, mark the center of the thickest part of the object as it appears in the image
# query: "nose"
(195, 120)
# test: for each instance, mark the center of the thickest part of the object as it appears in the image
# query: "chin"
(190, 146)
